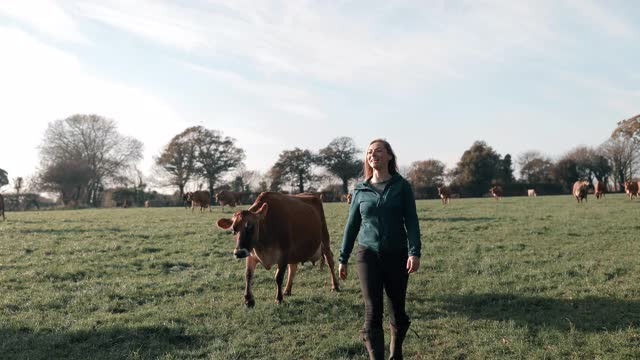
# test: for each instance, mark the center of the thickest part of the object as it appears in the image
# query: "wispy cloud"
(331, 43)
(46, 17)
(281, 97)
(603, 18)
(43, 84)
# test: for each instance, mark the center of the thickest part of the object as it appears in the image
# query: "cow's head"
(189, 196)
(245, 225)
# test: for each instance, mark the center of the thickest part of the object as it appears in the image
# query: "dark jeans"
(378, 272)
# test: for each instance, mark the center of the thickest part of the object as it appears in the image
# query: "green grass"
(523, 278)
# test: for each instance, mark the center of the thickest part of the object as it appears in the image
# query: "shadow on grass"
(457, 219)
(101, 343)
(591, 314)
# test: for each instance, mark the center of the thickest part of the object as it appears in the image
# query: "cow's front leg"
(248, 277)
(279, 278)
(290, 275)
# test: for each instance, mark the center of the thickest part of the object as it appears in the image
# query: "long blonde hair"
(393, 165)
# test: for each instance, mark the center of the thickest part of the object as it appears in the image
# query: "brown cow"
(580, 190)
(631, 188)
(228, 198)
(280, 230)
(445, 194)
(199, 198)
(2, 207)
(600, 189)
(531, 192)
(496, 192)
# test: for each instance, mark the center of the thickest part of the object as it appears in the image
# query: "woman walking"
(383, 217)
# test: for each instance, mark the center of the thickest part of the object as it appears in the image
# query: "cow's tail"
(325, 247)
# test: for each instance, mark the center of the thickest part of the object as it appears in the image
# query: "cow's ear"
(224, 223)
(262, 212)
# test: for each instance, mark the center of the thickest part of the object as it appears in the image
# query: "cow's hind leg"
(334, 281)
(290, 275)
(279, 279)
(249, 301)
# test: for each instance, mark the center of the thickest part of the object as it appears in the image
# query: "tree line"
(83, 156)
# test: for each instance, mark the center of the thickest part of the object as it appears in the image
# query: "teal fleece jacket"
(386, 222)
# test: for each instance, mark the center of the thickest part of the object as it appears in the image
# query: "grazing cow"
(2, 207)
(228, 198)
(531, 192)
(631, 188)
(580, 190)
(280, 230)
(600, 189)
(496, 192)
(445, 194)
(199, 198)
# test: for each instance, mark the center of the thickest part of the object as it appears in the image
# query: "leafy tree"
(178, 159)
(216, 155)
(426, 173)
(505, 170)
(340, 158)
(67, 178)
(589, 163)
(566, 172)
(477, 168)
(94, 141)
(4, 180)
(629, 128)
(295, 167)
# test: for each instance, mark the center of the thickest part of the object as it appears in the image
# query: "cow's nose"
(241, 253)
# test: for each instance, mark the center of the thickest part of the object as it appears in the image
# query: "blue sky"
(430, 76)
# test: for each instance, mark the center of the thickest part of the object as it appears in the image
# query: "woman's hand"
(413, 264)
(342, 271)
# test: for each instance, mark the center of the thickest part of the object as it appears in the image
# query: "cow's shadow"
(101, 343)
(589, 314)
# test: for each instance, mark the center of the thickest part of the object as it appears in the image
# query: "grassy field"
(523, 278)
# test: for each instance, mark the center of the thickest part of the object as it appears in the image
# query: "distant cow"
(228, 198)
(281, 230)
(445, 194)
(531, 192)
(199, 198)
(2, 207)
(146, 203)
(580, 190)
(496, 191)
(631, 188)
(600, 189)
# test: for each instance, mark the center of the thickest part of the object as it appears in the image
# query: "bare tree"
(93, 140)
(623, 154)
(535, 167)
(178, 159)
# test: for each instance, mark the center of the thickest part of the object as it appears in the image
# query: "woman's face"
(377, 156)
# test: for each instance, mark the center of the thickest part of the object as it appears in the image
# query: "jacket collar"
(366, 185)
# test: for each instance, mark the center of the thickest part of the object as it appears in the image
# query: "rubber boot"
(397, 338)
(374, 342)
